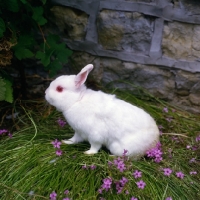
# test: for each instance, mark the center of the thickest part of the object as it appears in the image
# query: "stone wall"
(154, 44)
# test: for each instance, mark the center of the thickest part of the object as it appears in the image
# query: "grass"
(30, 168)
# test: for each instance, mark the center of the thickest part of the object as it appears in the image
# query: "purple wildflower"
(125, 152)
(198, 138)
(110, 163)
(193, 160)
(100, 190)
(165, 110)
(155, 153)
(137, 174)
(158, 159)
(123, 181)
(180, 175)
(119, 163)
(141, 184)
(194, 148)
(61, 123)
(107, 182)
(193, 172)
(10, 135)
(53, 196)
(169, 119)
(188, 147)
(167, 171)
(133, 198)
(59, 152)
(84, 167)
(168, 198)
(66, 192)
(119, 187)
(3, 131)
(126, 192)
(66, 198)
(160, 127)
(92, 167)
(56, 144)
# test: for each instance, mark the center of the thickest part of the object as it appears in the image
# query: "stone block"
(181, 41)
(191, 7)
(125, 31)
(71, 22)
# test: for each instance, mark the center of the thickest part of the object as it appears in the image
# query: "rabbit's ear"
(82, 75)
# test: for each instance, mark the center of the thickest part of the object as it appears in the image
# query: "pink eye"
(59, 89)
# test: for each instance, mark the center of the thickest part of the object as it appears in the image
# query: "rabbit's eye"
(59, 89)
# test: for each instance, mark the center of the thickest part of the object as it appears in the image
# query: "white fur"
(102, 119)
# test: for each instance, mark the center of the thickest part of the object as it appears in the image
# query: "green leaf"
(38, 15)
(23, 53)
(12, 5)
(9, 91)
(2, 27)
(25, 40)
(2, 89)
(22, 49)
(45, 57)
(43, 1)
(24, 1)
(63, 54)
(53, 67)
(52, 40)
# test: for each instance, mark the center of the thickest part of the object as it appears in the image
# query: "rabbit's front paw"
(90, 152)
(68, 141)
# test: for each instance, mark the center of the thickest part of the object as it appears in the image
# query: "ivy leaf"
(2, 27)
(43, 1)
(24, 1)
(22, 49)
(12, 5)
(52, 40)
(9, 91)
(25, 40)
(63, 53)
(45, 57)
(53, 67)
(38, 15)
(23, 53)
(2, 89)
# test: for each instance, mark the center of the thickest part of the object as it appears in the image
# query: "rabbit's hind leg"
(94, 148)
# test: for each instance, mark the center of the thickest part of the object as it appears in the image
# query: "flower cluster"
(121, 184)
(155, 153)
(198, 138)
(92, 167)
(5, 131)
(195, 146)
(121, 164)
(61, 123)
(53, 195)
(168, 118)
(168, 172)
(56, 145)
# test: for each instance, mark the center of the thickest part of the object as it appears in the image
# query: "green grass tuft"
(30, 168)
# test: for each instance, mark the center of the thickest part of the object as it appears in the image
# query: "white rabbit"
(100, 118)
